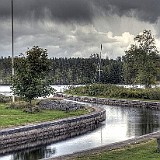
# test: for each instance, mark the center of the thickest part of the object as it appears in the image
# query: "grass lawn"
(142, 151)
(16, 117)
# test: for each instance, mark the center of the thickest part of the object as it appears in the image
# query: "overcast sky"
(76, 28)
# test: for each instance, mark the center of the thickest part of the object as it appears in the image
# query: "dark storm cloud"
(5, 8)
(146, 10)
(61, 10)
(80, 10)
(76, 27)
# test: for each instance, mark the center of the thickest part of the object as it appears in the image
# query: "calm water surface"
(5, 90)
(121, 123)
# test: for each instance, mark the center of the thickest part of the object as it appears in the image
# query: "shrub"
(4, 99)
(113, 91)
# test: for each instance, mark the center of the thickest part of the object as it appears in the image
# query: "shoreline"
(111, 101)
(109, 147)
(24, 137)
(116, 145)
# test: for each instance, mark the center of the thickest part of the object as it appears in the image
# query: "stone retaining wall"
(44, 133)
(59, 105)
(115, 102)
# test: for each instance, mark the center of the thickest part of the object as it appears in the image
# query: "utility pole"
(99, 67)
(13, 97)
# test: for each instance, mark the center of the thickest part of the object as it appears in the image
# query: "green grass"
(16, 117)
(143, 151)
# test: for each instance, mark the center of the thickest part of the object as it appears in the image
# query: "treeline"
(5, 70)
(68, 71)
(84, 71)
(74, 70)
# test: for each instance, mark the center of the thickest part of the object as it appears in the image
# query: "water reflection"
(35, 154)
(32, 154)
(121, 123)
(149, 121)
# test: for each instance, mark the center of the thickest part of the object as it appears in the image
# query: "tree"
(141, 60)
(30, 80)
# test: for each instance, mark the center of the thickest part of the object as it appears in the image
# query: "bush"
(26, 107)
(4, 99)
(32, 109)
(113, 91)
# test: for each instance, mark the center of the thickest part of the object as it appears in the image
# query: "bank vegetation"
(114, 91)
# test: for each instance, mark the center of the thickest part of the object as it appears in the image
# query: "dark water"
(121, 123)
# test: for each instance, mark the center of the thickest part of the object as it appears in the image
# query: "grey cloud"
(147, 10)
(74, 27)
(60, 10)
(80, 10)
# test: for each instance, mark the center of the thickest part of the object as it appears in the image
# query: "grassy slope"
(15, 117)
(143, 151)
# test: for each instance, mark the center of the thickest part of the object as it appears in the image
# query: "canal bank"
(114, 102)
(110, 147)
(117, 145)
(24, 137)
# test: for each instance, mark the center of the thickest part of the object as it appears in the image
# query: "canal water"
(121, 124)
(5, 89)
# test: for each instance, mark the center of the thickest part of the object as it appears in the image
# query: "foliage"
(30, 79)
(72, 70)
(85, 70)
(113, 91)
(4, 99)
(29, 108)
(141, 60)
(5, 70)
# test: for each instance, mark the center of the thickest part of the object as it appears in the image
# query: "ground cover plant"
(113, 91)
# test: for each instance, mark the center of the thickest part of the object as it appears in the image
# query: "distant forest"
(73, 70)
(70, 71)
